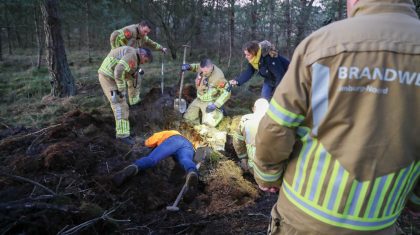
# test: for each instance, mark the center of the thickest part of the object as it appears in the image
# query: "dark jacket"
(271, 69)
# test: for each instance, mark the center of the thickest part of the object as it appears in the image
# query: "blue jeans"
(267, 90)
(176, 146)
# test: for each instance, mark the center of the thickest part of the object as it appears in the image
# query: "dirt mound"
(227, 191)
(58, 179)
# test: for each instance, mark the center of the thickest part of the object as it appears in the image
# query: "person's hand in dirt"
(269, 189)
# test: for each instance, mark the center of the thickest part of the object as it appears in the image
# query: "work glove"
(233, 83)
(117, 96)
(164, 50)
(185, 67)
(210, 107)
(134, 100)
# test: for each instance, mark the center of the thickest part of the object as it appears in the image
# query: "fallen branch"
(258, 214)
(5, 125)
(188, 224)
(105, 216)
(37, 205)
(43, 129)
(29, 181)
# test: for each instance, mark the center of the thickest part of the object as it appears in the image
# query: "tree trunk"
(304, 15)
(272, 11)
(254, 19)
(39, 41)
(232, 28)
(1, 45)
(340, 10)
(6, 19)
(288, 28)
(219, 31)
(62, 81)
(88, 30)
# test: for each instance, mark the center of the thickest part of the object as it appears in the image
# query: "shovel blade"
(172, 208)
(180, 105)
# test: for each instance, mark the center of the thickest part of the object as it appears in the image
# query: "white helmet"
(260, 107)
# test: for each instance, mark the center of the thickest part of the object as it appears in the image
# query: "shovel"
(179, 103)
(162, 77)
(201, 156)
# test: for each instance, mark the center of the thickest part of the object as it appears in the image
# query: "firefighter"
(346, 117)
(244, 136)
(166, 144)
(120, 66)
(213, 90)
(263, 58)
(135, 36)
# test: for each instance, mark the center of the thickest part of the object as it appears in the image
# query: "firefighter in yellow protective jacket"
(135, 36)
(120, 66)
(213, 91)
(244, 136)
(346, 117)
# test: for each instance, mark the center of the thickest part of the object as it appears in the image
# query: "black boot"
(130, 141)
(123, 175)
(192, 184)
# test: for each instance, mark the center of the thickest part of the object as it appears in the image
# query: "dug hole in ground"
(57, 179)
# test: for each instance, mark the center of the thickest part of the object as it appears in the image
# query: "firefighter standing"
(135, 36)
(346, 116)
(213, 91)
(121, 65)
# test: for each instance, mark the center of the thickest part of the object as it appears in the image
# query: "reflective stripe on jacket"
(120, 64)
(346, 118)
(212, 88)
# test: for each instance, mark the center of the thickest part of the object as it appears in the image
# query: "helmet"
(260, 107)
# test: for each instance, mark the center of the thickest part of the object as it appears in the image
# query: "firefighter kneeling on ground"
(244, 137)
(213, 90)
(122, 67)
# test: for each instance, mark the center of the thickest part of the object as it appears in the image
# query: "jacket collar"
(367, 7)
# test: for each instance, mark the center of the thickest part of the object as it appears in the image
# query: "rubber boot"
(192, 184)
(130, 141)
(124, 174)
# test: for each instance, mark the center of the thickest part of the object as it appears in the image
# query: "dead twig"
(105, 216)
(43, 129)
(140, 228)
(203, 222)
(3, 124)
(29, 181)
(36, 205)
(125, 155)
(259, 214)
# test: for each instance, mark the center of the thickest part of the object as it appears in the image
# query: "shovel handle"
(182, 73)
(184, 187)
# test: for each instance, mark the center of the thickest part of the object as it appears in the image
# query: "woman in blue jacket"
(262, 57)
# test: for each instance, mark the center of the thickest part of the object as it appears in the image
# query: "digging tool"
(162, 76)
(174, 207)
(179, 103)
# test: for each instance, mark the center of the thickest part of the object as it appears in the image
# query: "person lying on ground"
(169, 143)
